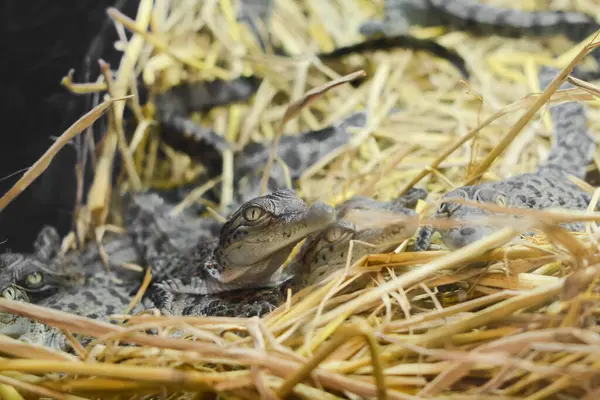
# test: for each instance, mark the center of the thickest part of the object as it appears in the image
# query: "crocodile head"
(461, 235)
(28, 273)
(260, 236)
(41, 273)
(373, 230)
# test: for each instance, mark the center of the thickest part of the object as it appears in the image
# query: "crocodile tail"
(404, 42)
(573, 148)
(483, 19)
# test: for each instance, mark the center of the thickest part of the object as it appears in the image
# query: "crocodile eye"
(447, 208)
(9, 293)
(253, 213)
(443, 208)
(334, 234)
(501, 200)
(34, 279)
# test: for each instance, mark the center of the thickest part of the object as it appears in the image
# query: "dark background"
(41, 41)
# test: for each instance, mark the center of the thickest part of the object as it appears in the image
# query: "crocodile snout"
(321, 213)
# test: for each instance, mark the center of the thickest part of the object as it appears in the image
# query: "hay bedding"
(420, 324)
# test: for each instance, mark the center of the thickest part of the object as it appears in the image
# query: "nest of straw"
(525, 327)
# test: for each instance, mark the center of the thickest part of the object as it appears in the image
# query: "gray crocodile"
(247, 253)
(76, 282)
(45, 271)
(484, 20)
(549, 186)
(251, 247)
(480, 19)
(298, 152)
(97, 297)
(381, 224)
(31, 273)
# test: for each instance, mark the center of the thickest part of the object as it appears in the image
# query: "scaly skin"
(10, 324)
(298, 152)
(32, 273)
(481, 19)
(76, 282)
(45, 271)
(484, 20)
(248, 253)
(257, 15)
(548, 187)
(242, 303)
(325, 251)
(251, 248)
(383, 225)
(98, 297)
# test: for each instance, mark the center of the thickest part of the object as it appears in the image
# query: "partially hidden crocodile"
(252, 246)
(380, 224)
(98, 297)
(375, 227)
(257, 14)
(549, 186)
(175, 105)
(298, 152)
(76, 282)
(248, 252)
(484, 20)
(481, 19)
(45, 271)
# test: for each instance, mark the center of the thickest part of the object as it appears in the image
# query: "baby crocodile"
(76, 282)
(97, 297)
(298, 152)
(31, 273)
(548, 187)
(45, 271)
(375, 227)
(42, 273)
(381, 224)
(481, 19)
(251, 246)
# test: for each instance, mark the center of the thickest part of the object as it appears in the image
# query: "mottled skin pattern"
(10, 324)
(161, 235)
(45, 271)
(242, 303)
(298, 152)
(76, 282)
(100, 296)
(481, 19)
(33, 273)
(250, 248)
(382, 224)
(257, 14)
(549, 186)
(174, 107)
